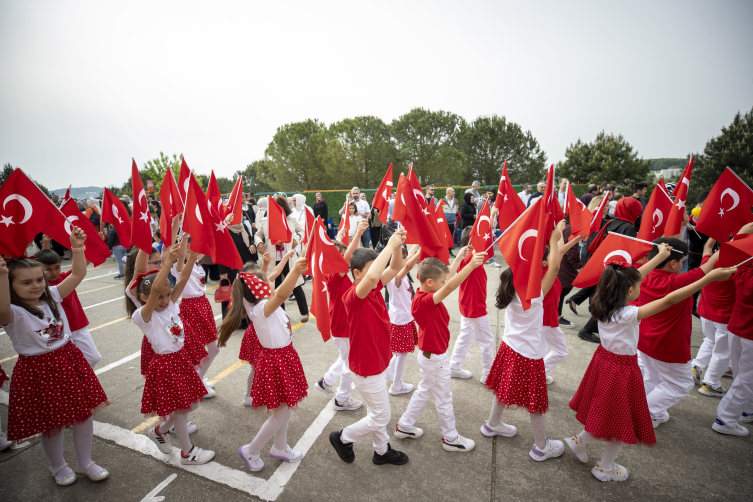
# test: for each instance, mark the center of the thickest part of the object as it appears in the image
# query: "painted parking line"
(100, 276)
(98, 289)
(107, 324)
(8, 359)
(102, 303)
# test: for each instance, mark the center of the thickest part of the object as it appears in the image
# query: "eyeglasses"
(157, 263)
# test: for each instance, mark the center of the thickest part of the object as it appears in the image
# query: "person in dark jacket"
(118, 250)
(696, 243)
(320, 208)
(468, 210)
(569, 268)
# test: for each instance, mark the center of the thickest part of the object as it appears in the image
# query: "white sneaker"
(253, 462)
(549, 379)
(405, 433)
(728, 374)
(324, 388)
(405, 389)
(197, 456)
(248, 400)
(697, 372)
(162, 441)
(580, 451)
(657, 421)
(552, 449)
(483, 379)
(711, 391)
(210, 392)
(191, 427)
(460, 373)
(349, 405)
(459, 444)
(745, 417)
(207, 383)
(502, 429)
(4, 443)
(731, 428)
(617, 473)
(286, 455)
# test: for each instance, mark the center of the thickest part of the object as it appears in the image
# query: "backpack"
(94, 218)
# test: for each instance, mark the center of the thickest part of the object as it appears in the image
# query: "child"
(403, 334)
(434, 338)
(279, 382)
(53, 385)
(4, 443)
(172, 388)
(337, 286)
(610, 401)
(369, 335)
(664, 344)
(74, 312)
(474, 320)
(517, 377)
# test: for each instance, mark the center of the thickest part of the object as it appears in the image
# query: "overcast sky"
(88, 85)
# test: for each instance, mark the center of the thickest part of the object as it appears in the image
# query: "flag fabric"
(96, 249)
(547, 211)
(309, 224)
(735, 252)
(184, 179)
(658, 208)
(68, 194)
(443, 225)
(438, 251)
(115, 213)
(141, 229)
(172, 205)
(215, 197)
(509, 204)
(677, 213)
(407, 210)
(381, 199)
(481, 233)
(580, 216)
(615, 248)
(278, 224)
(553, 204)
(235, 202)
(345, 222)
(727, 207)
(176, 200)
(517, 246)
(598, 215)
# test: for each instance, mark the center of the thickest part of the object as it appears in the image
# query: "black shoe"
(344, 450)
(569, 303)
(305, 318)
(565, 323)
(390, 457)
(695, 313)
(118, 277)
(452, 255)
(588, 336)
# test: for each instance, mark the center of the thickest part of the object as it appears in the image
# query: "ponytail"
(612, 290)
(506, 290)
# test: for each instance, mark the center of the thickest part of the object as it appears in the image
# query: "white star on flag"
(220, 226)
(425, 211)
(680, 204)
(8, 220)
(324, 286)
(721, 213)
(144, 216)
(487, 236)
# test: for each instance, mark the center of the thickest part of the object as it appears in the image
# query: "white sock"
(212, 351)
(400, 361)
(53, 448)
(538, 424)
(584, 437)
(83, 436)
(281, 436)
(250, 381)
(496, 413)
(391, 367)
(181, 431)
(165, 427)
(611, 450)
(279, 418)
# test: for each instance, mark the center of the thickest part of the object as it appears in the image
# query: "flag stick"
(511, 225)
(744, 262)
(643, 241)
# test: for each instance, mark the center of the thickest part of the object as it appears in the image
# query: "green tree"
(255, 177)
(225, 184)
(609, 158)
(659, 164)
(156, 169)
(294, 159)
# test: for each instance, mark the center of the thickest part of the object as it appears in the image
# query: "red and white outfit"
(53, 384)
(74, 312)
(403, 334)
(250, 346)
(474, 320)
(172, 384)
(553, 335)
(146, 348)
(195, 309)
(517, 376)
(337, 286)
(610, 401)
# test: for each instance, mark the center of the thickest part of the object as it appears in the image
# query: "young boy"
(664, 343)
(337, 286)
(433, 340)
(474, 320)
(369, 356)
(71, 305)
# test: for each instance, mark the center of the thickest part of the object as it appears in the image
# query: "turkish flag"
(481, 233)
(215, 197)
(68, 194)
(735, 252)
(381, 199)
(554, 204)
(184, 179)
(727, 207)
(441, 229)
(115, 213)
(615, 248)
(345, 222)
(517, 247)
(439, 252)
(598, 215)
(278, 224)
(444, 227)
(96, 249)
(309, 224)
(580, 216)
(141, 230)
(172, 205)
(235, 202)
(547, 211)
(677, 212)
(658, 208)
(172, 193)
(509, 204)
(407, 210)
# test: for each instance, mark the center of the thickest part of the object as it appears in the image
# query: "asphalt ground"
(690, 461)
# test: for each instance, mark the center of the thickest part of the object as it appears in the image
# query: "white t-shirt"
(31, 335)
(196, 284)
(523, 328)
(274, 332)
(400, 302)
(621, 335)
(524, 197)
(133, 298)
(158, 330)
(362, 206)
(354, 220)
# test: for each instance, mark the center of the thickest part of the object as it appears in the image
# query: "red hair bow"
(259, 288)
(620, 264)
(140, 278)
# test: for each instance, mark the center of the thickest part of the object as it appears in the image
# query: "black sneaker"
(696, 314)
(588, 336)
(452, 255)
(390, 457)
(569, 303)
(565, 323)
(344, 450)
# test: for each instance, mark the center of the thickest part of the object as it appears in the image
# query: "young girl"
(517, 377)
(172, 387)
(53, 385)
(611, 401)
(279, 382)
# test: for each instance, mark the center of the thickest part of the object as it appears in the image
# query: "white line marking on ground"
(4, 397)
(102, 303)
(99, 276)
(117, 363)
(152, 495)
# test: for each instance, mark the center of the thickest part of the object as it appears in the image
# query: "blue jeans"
(119, 252)
(366, 238)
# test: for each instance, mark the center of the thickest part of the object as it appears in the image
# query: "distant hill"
(659, 164)
(79, 192)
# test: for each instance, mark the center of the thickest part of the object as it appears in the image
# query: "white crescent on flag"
(24, 202)
(658, 213)
(115, 212)
(528, 233)
(619, 252)
(67, 223)
(478, 227)
(323, 237)
(185, 184)
(198, 214)
(732, 193)
(142, 193)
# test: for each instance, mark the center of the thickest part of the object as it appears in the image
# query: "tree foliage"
(293, 155)
(659, 164)
(609, 158)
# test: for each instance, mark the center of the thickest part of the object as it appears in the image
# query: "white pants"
(739, 397)
(340, 369)
(435, 381)
(665, 383)
(373, 389)
(82, 339)
(555, 338)
(713, 355)
(480, 329)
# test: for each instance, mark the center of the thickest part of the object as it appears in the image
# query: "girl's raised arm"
(78, 271)
(185, 275)
(6, 313)
(159, 282)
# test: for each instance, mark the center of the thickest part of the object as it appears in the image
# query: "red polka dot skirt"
(611, 401)
(198, 319)
(172, 386)
(278, 378)
(3, 377)
(147, 353)
(518, 382)
(47, 391)
(250, 346)
(403, 338)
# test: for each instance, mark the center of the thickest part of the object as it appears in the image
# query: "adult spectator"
(362, 209)
(375, 224)
(430, 195)
(127, 201)
(391, 205)
(570, 267)
(56, 201)
(589, 195)
(157, 208)
(526, 193)
(320, 208)
(613, 204)
(562, 193)
(154, 219)
(474, 190)
(92, 212)
(450, 208)
(118, 250)
(540, 187)
(467, 210)
(640, 195)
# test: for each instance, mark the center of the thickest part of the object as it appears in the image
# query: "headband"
(140, 278)
(620, 264)
(259, 288)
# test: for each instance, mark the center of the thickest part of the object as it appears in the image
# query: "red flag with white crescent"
(726, 208)
(115, 213)
(517, 246)
(509, 204)
(141, 229)
(381, 199)
(481, 233)
(580, 216)
(184, 179)
(656, 213)
(677, 213)
(96, 249)
(278, 223)
(615, 248)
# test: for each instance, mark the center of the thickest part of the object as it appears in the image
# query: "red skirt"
(147, 353)
(403, 338)
(518, 381)
(51, 390)
(250, 346)
(278, 378)
(611, 401)
(3, 377)
(172, 386)
(198, 319)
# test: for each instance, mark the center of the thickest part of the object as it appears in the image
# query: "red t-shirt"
(368, 331)
(473, 291)
(72, 306)
(433, 321)
(717, 298)
(741, 321)
(338, 319)
(666, 336)
(552, 303)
